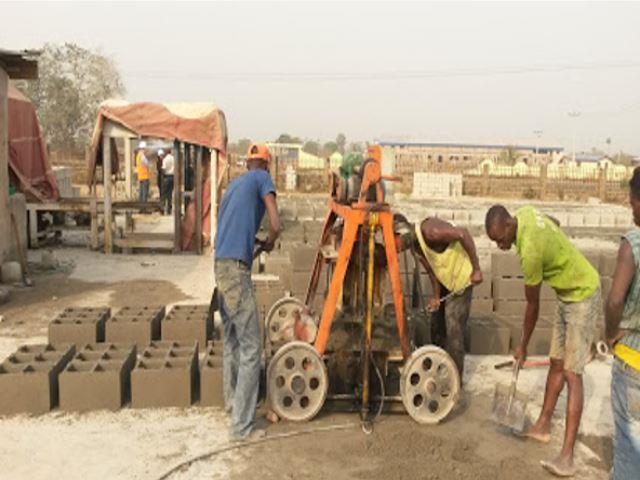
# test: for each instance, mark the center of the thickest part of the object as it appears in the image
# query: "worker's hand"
(520, 355)
(613, 338)
(476, 277)
(434, 304)
(269, 245)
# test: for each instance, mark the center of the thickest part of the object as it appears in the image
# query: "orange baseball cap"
(259, 151)
(374, 152)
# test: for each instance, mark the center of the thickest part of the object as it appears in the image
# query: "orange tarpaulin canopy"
(29, 165)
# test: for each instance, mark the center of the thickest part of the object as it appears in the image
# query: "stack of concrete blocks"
(64, 180)
(98, 377)
(436, 185)
(510, 303)
(139, 325)
(268, 290)
(312, 232)
(188, 323)
(79, 326)
(166, 375)
(211, 376)
(29, 378)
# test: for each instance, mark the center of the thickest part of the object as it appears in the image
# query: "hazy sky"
(467, 72)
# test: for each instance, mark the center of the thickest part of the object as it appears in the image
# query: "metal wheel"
(429, 384)
(281, 319)
(297, 382)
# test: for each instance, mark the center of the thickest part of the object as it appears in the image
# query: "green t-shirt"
(547, 254)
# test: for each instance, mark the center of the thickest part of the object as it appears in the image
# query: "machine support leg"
(366, 360)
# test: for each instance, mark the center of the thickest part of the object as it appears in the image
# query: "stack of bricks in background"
(29, 378)
(139, 325)
(166, 375)
(188, 323)
(211, 387)
(98, 377)
(79, 326)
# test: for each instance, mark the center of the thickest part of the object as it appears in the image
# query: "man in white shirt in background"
(168, 165)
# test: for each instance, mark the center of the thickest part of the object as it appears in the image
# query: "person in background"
(546, 254)
(243, 205)
(622, 315)
(142, 171)
(168, 166)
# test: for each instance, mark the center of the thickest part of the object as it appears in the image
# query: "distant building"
(408, 157)
(291, 154)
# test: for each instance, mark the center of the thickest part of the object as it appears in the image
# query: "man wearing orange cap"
(243, 205)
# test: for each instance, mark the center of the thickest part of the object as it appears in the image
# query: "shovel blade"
(509, 410)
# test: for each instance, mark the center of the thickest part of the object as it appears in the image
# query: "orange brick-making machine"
(356, 356)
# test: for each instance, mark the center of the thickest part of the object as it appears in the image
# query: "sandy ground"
(142, 444)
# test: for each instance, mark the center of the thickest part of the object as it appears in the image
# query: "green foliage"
(286, 138)
(509, 156)
(341, 142)
(312, 147)
(73, 82)
(329, 148)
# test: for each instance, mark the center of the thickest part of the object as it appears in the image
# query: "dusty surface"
(143, 444)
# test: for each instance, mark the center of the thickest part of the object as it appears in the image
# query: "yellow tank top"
(452, 267)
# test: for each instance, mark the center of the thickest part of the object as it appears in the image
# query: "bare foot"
(540, 434)
(560, 466)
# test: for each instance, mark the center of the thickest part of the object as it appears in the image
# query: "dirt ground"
(143, 444)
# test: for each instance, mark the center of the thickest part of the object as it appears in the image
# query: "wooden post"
(128, 170)
(33, 228)
(485, 181)
(177, 197)
(543, 181)
(106, 169)
(188, 181)
(602, 183)
(94, 224)
(198, 193)
(213, 178)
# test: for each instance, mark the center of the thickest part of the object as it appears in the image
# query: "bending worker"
(448, 254)
(241, 210)
(623, 335)
(546, 254)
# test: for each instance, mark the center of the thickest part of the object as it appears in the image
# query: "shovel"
(509, 405)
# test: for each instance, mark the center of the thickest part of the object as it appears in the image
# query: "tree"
(73, 82)
(241, 147)
(312, 147)
(341, 142)
(329, 149)
(355, 147)
(509, 156)
(286, 138)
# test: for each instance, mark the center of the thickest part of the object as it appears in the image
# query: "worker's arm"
(439, 231)
(434, 301)
(553, 219)
(532, 293)
(274, 220)
(622, 278)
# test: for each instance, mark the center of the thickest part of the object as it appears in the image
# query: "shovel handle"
(514, 382)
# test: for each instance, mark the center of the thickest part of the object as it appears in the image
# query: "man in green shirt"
(546, 254)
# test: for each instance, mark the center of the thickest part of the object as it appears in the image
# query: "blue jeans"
(625, 403)
(144, 190)
(242, 344)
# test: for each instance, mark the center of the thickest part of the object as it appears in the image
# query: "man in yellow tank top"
(448, 254)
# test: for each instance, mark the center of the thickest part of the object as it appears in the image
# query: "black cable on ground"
(241, 445)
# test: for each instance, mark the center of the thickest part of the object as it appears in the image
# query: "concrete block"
(170, 381)
(576, 220)
(188, 323)
(211, 381)
(4, 295)
(505, 265)
(303, 259)
(540, 341)
(624, 220)
(484, 289)
(11, 272)
(607, 219)
(592, 219)
(593, 257)
(517, 307)
(135, 325)
(489, 338)
(608, 262)
(79, 326)
(514, 289)
(29, 378)
(99, 377)
(481, 307)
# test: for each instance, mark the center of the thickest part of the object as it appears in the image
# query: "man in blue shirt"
(241, 210)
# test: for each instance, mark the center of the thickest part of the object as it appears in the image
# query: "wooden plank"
(128, 173)
(177, 197)
(108, 218)
(198, 191)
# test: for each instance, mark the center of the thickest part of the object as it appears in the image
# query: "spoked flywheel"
(429, 384)
(297, 382)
